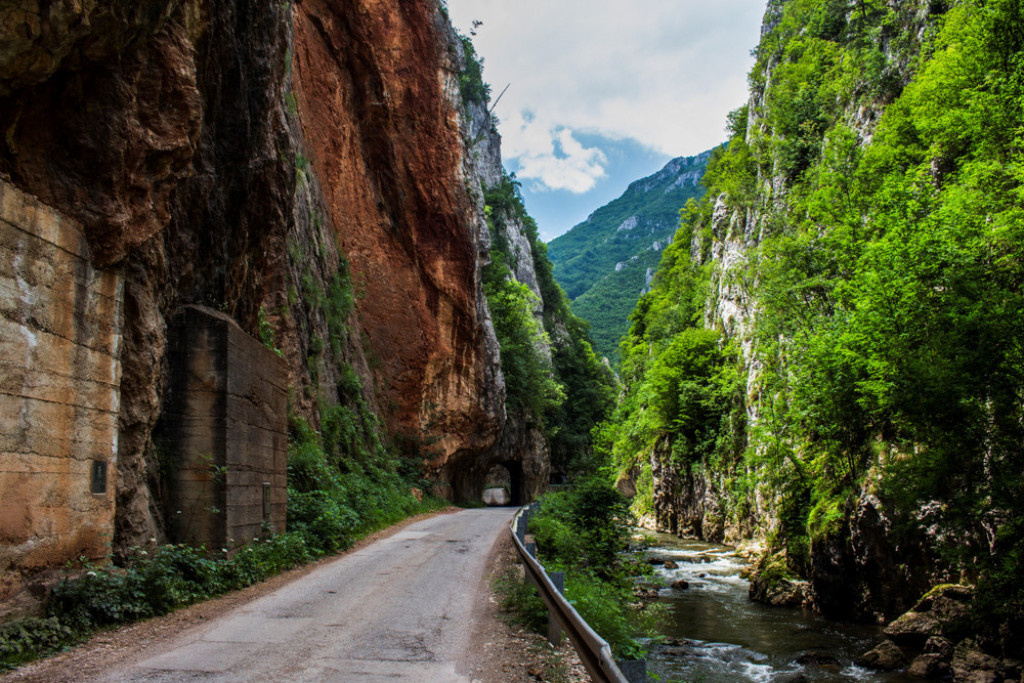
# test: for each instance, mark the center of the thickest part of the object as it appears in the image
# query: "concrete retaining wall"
(224, 432)
(60, 331)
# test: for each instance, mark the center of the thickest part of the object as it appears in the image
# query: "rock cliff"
(310, 170)
(872, 558)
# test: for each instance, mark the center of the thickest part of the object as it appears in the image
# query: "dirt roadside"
(508, 653)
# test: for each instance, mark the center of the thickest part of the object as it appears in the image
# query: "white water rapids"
(716, 634)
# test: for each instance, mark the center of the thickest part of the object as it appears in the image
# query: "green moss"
(828, 516)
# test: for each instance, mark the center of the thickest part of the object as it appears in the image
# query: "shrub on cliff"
(471, 80)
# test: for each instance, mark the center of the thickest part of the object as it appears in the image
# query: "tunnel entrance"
(503, 485)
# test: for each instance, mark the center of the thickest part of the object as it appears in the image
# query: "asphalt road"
(402, 609)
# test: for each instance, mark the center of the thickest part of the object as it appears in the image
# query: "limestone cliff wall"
(852, 572)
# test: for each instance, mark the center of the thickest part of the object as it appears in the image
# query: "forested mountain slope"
(830, 360)
(606, 262)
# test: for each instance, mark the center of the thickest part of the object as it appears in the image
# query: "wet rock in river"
(913, 629)
(939, 645)
(942, 611)
(780, 593)
(929, 666)
(972, 665)
(887, 656)
(646, 592)
(669, 564)
(820, 661)
(681, 584)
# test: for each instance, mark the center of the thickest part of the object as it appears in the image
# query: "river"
(717, 634)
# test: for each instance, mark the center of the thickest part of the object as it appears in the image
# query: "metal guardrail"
(594, 651)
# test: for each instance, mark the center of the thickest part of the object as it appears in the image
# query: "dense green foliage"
(344, 482)
(573, 391)
(471, 79)
(893, 302)
(583, 532)
(607, 303)
(684, 393)
(887, 289)
(603, 262)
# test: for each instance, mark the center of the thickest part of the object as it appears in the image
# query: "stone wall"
(223, 435)
(60, 331)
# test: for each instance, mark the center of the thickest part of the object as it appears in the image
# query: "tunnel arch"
(468, 483)
(507, 476)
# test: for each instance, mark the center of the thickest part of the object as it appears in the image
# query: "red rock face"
(385, 142)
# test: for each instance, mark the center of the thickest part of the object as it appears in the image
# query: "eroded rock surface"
(386, 139)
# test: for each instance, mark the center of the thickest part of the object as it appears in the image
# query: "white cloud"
(662, 72)
(551, 154)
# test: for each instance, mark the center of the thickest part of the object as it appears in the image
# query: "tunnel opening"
(503, 485)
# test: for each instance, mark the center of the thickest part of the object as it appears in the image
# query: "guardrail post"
(635, 670)
(531, 548)
(554, 630)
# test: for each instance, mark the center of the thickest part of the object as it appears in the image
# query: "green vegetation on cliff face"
(604, 262)
(884, 181)
(568, 393)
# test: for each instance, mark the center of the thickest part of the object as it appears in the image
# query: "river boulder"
(929, 666)
(913, 629)
(887, 656)
(820, 661)
(972, 665)
(778, 593)
(943, 611)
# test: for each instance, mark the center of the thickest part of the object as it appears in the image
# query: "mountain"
(606, 262)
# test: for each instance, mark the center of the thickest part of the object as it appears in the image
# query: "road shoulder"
(506, 653)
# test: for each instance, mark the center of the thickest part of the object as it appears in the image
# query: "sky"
(604, 92)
